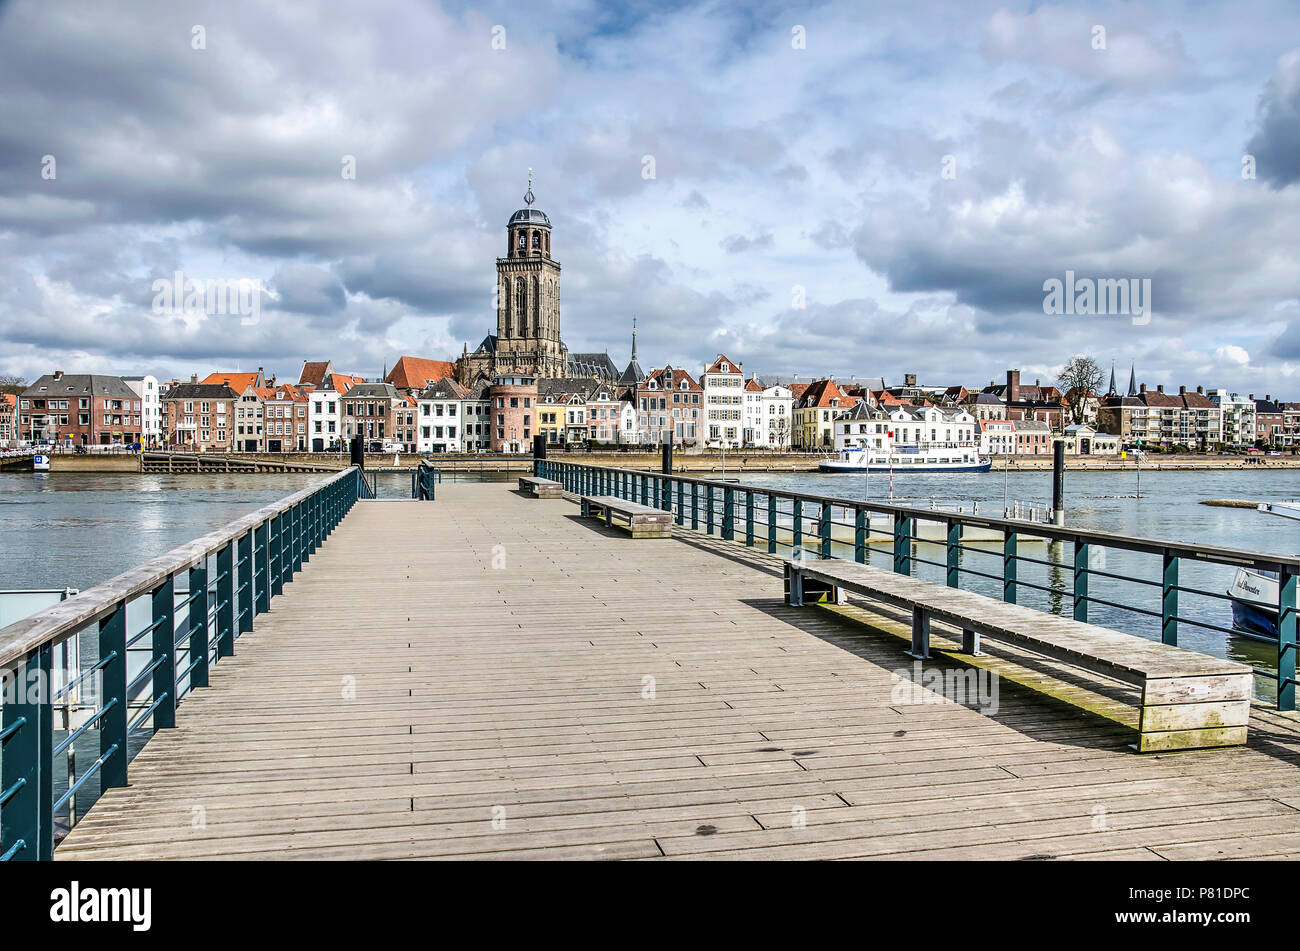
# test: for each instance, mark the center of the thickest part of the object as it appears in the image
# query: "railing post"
(1169, 600)
(262, 567)
(749, 518)
(729, 514)
(824, 530)
(199, 632)
(1009, 567)
(645, 489)
(226, 600)
(1286, 639)
(695, 505)
(708, 512)
(27, 764)
(276, 555)
(244, 555)
(771, 524)
(954, 553)
(796, 540)
(902, 544)
(113, 723)
(163, 598)
(860, 536)
(1081, 581)
(681, 507)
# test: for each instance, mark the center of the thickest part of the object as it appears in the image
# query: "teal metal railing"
(130, 676)
(1145, 586)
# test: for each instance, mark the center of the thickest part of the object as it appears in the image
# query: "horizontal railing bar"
(91, 770)
(1123, 607)
(14, 850)
(73, 736)
(1228, 556)
(148, 712)
(158, 661)
(12, 728)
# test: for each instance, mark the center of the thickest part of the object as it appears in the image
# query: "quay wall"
(685, 462)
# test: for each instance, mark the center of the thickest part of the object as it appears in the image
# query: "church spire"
(1111, 391)
(634, 337)
(1132, 381)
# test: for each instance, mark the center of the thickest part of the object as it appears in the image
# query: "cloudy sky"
(811, 189)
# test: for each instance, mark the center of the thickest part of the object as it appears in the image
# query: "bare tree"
(12, 384)
(1080, 379)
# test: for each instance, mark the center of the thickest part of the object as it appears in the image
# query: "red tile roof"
(716, 367)
(238, 381)
(416, 373)
(822, 393)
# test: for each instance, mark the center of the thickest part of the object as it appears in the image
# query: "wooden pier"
(491, 676)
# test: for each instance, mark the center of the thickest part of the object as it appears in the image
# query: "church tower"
(528, 296)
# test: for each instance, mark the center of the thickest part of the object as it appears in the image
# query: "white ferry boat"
(907, 459)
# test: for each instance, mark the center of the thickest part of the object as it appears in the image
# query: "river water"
(75, 530)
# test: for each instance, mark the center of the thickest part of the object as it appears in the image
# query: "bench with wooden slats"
(541, 488)
(1189, 700)
(641, 520)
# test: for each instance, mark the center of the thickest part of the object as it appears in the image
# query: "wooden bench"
(541, 488)
(1189, 700)
(641, 520)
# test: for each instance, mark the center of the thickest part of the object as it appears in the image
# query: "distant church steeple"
(1132, 381)
(1111, 391)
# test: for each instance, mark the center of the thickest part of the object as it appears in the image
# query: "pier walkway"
(471, 678)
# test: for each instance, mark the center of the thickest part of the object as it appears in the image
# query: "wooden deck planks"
(439, 665)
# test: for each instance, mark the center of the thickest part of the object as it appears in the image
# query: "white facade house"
(324, 419)
(862, 427)
(151, 420)
(441, 418)
(724, 400)
(1237, 416)
(933, 427)
(768, 415)
(997, 437)
(627, 419)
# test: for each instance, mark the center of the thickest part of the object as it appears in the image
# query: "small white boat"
(903, 459)
(1254, 603)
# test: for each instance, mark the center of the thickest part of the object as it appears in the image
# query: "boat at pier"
(1254, 603)
(901, 459)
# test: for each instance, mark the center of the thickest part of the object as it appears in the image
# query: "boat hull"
(835, 465)
(1254, 604)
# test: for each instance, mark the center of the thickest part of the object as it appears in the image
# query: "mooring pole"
(1058, 482)
(539, 451)
(667, 466)
(358, 452)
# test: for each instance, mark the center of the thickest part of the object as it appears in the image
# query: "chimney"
(1201, 390)
(1182, 391)
(1142, 389)
(194, 378)
(1268, 397)
(1252, 395)
(909, 379)
(1160, 387)
(58, 375)
(1013, 386)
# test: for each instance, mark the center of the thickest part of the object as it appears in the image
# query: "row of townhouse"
(86, 409)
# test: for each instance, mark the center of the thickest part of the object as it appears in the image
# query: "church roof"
(633, 374)
(533, 216)
(593, 365)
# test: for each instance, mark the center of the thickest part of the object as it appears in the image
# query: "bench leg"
(840, 596)
(920, 635)
(796, 588)
(586, 509)
(609, 518)
(970, 643)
